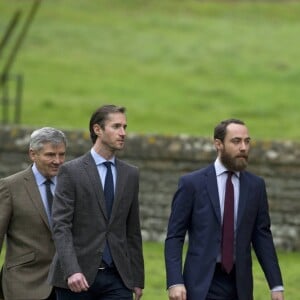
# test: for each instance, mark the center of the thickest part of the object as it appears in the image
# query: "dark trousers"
(108, 285)
(52, 296)
(223, 285)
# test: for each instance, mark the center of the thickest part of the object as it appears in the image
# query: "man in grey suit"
(25, 219)
(98, 243)
(224, 210)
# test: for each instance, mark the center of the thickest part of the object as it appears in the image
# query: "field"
(155, 274)
(179, 67)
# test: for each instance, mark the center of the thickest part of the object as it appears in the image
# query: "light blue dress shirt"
(40, 179)
(102, 170)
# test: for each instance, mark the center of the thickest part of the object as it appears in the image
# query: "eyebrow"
(240, 138)
(119, 124)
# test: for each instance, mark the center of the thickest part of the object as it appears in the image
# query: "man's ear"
(97, 129)
(218, 144)
(32, 154)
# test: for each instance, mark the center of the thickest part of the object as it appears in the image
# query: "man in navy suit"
(198, 209)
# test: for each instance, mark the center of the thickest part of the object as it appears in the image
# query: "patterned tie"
(49, 194)
(109, 198)
(228, 226)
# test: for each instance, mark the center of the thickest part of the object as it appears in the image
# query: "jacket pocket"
(20, 260)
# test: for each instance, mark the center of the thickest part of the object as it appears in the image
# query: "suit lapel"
(214, 196)
(212, 188)
(94, 180)
(244, 192)
(34, 195)
(120, 185)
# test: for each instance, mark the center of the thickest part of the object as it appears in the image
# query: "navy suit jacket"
(196, 211)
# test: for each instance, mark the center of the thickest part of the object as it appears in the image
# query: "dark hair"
(221, 128)
(101, 115)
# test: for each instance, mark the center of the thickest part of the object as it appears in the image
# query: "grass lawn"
(178, 66)
(155, 274)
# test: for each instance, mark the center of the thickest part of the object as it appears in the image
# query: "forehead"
(116, 118)
(237, 131)
(50, 147)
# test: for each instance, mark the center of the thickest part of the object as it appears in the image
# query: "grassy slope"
(178, 66)
(155, 274)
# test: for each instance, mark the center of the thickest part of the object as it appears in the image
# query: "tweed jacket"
(81, 225)
(26, 231)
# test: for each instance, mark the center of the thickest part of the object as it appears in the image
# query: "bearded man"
(224, 210)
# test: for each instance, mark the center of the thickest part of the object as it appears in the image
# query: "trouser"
(223, 285)
(52, 296)
(108, 285)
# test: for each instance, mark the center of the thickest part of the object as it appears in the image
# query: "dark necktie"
(108, 188)
(228, 226)
(109, 198)
(49, 194)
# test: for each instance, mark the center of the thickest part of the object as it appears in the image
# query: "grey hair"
(46, 135)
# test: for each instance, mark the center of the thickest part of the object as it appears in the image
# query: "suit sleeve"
(263, 244)
(178, 225)
(134, 238)
(5, 210)
(62, 217)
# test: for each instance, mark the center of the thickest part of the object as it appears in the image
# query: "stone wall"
(163, 159)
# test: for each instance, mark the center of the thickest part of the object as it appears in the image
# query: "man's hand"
(177, 292)
(277, 295)
(138, 293)
(77, 283)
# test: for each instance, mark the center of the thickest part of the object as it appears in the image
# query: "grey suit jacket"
(29, 244)
(80, 223)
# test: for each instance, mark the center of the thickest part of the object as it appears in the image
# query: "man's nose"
(243, 146)
(58, 159)
(122, 131)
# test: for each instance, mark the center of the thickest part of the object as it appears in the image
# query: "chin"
(241, 167)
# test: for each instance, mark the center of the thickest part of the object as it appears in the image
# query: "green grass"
(178, 66)
(155, 274)
(155, 285)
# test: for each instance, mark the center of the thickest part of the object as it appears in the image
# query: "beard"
(237, 163)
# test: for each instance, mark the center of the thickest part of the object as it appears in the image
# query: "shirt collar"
(40, 179)
(220, 168)
(100, 159)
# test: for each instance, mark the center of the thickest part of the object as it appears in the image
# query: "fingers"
(277, 295)
(138, 293)
(78, 283)
(177, 292)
